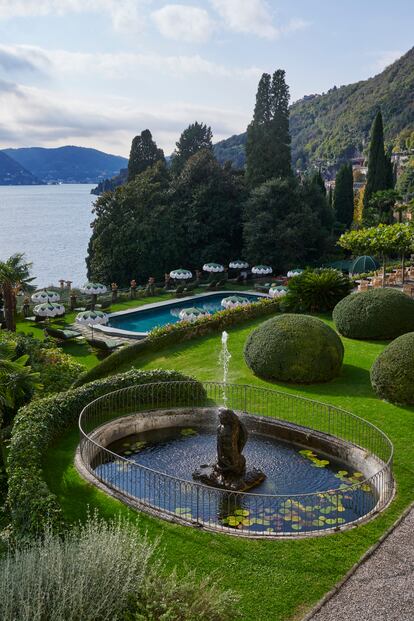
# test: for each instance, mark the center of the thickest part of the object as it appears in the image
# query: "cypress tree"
(343, 199)
(317, 179)
(378, 177)
(268, 152)
(144, 153)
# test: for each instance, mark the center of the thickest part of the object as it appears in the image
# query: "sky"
(95, 73)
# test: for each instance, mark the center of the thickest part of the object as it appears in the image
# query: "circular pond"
(325, 469)
(293, 473)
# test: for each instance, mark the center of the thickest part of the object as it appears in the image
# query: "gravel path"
(382, 588)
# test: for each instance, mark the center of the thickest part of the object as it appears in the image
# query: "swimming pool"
(140, 321)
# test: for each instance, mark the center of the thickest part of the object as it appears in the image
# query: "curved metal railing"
(248, 513)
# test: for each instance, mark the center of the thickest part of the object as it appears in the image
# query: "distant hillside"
(108, 185)
(68, 164)
(335, 126)
(12, 173)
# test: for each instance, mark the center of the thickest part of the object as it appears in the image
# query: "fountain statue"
(229, 472)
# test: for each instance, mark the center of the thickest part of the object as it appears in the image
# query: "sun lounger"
(105, 344)
(62, 335)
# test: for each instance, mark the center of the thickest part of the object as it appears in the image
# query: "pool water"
(147, 320)
(180, 451)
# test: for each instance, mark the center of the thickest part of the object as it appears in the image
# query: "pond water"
(289, 471)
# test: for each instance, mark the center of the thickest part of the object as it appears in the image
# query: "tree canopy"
(144, 153)
(268, 139)
(197, 137)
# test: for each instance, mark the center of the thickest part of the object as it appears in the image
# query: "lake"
(50, 224)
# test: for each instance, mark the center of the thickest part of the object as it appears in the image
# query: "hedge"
(375, 314)
(392, 374)
(32, 505)
(294, 348)
(168, 335)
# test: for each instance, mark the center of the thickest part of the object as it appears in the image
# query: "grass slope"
(277, 580)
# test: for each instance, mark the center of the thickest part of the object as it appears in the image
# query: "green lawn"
(277, 580)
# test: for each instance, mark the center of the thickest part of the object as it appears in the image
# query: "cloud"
(386, 58)
(116, 65)
(32, 116)
(248, 16)
(254, 17)
(181, 22)
(124, 14)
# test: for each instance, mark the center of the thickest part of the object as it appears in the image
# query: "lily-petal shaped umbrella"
(213, 268)
(262, 270)
(193, 313)
(92, 318)
(44, 296)
(293, 273)
(233, 301)
(93, 288)
(238, 264)
(278, 292)
(49, 309)
(181, 274)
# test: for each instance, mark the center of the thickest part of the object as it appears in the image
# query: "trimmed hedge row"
(171, 334)
(32, 505)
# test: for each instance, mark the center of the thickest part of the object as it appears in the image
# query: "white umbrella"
(93, 288)
(262, 270)
(43, 295)
(292, 273)
(49, 309)
(213, 267)
(238, 264)
(181, 274)
(233, 301)
(278, 292)
(92, 318)
(191, 314)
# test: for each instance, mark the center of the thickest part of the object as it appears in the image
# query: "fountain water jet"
(229, 472)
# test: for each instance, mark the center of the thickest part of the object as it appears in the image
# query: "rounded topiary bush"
(294, 348)
(376, 314)
(392, 374)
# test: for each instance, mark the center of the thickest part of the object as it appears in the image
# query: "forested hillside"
(336, 125)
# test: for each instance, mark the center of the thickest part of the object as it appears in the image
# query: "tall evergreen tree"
(378, 177)
(195, 138)
(317, 179)
(343, 199)
(144, 153)
(268, 153)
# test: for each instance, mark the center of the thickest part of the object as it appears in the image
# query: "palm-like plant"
(316, 290)
(17, 384)
(14, 277)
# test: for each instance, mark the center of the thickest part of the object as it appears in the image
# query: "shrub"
(294, 348)
(316, 290)
(57, 370)
(102, 572)
(38, 424)
(168, 335)
(392, 374)
(375, 314)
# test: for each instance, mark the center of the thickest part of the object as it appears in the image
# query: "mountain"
(12, 173)
(68, 164)
(335, 126)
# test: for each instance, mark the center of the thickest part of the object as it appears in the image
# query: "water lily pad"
(188, 432)
(233, 520)
(358, 475)
(330, 521)
(342, 473)
(246, 522)
(296, 527)
(182, 510)
(319, 522)
(366, 487)
(244, 512)
(127, 452)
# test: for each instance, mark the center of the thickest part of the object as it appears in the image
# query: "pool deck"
(381, 587)
(129, 334)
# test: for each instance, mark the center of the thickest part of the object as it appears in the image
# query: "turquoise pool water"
(146, 320)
